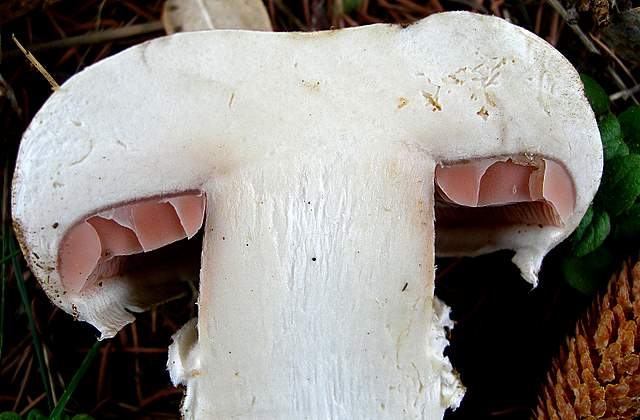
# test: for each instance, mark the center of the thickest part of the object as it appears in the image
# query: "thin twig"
(137, 10)
(104, 51)
(495, 7)
(350, 21)
(45, 353)
(35, 338)
(618, 81)
(141, 350)
(538, 25)
(159, 395)
(363, 17)
(576, 29)
(56, 26)
(23, 384)
(138, 371)
(61, 382)
(32, 404)
(154, 319)
(36, 64)
(612, 54)
(615, 58)
(102, 371)
(272, 13)
(73, 51)
(99, 15)
(437, 6)
(307, 12)
(472, 4)
(337, 9)
(132, 350)
(554, 32)
(21, 361)
(588, 43)
(5, 248)
(11, 358)
(290, 15)
(99, 405)
(624, 94)
(96, 37)
(57, 412)
(412, 7)
(9, 256)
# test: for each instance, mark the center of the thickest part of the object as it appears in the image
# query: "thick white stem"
(317, 294)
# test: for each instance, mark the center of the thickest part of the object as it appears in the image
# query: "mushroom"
(316, 164)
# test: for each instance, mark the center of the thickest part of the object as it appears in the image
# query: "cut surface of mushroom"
(319, 162)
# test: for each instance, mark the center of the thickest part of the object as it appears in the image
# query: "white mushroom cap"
(172, 114)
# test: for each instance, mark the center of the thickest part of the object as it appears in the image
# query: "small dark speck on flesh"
(405, 25)
(55, 225)
(405, 287)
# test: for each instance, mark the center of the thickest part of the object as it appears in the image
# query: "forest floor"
(506, 333)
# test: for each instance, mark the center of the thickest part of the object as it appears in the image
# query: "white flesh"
(351, 335)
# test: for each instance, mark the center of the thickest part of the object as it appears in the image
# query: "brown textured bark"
(596, 375)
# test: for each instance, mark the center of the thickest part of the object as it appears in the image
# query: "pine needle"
(37, 346)
(5, 257)
(36, 64)
(56, 414)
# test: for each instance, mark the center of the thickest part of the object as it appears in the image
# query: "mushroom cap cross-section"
(318, 163)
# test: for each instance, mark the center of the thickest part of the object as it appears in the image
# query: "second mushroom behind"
(323, 160)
